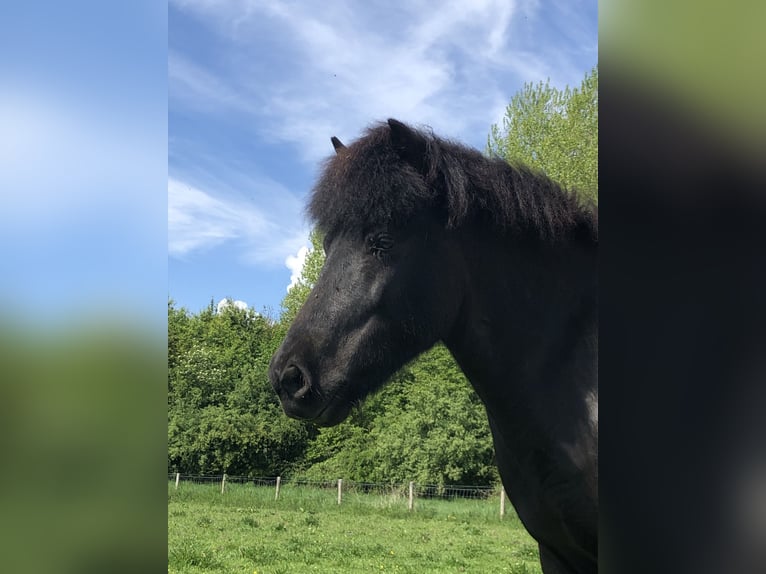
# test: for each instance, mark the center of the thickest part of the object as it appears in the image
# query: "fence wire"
(422, 491)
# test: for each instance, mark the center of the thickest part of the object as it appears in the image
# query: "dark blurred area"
(683, 288)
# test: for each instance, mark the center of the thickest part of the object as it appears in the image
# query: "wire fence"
(409, 491)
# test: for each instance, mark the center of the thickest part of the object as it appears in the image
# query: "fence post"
(178, 477)
(410, 501)
(223, 483)
(276, 494)
(502, 501)
(340, 489)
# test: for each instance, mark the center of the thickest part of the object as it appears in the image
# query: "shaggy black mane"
(368, 184)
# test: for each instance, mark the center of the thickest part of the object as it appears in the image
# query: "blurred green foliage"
(81, 417)
(704, 57)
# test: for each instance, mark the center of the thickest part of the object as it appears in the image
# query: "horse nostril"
(294, 382)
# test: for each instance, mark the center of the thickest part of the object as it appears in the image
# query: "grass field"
(245, 530)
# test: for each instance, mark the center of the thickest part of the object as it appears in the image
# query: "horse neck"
(526, 336)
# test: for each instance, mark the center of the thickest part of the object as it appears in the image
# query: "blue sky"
(83, 161)
(256, 89)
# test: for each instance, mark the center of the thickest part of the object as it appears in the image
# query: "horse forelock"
(367, 184)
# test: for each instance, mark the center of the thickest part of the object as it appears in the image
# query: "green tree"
(427, 425)
(555, 131)
(223, 415)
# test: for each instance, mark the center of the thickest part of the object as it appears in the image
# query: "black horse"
(428, 240)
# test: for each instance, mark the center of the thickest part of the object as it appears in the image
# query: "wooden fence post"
(223, 483)
(178, 477)
(340, 489)
(502, 502)
(411, 501)
(276, 494)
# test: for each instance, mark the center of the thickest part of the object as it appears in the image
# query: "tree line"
(427, 424)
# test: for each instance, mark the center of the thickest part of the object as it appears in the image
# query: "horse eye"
(384, 241)
(380, 243)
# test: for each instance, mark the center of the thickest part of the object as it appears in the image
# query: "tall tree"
(555, 131)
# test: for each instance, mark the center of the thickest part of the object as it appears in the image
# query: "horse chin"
(333, 414)
(343, 396)
(346, 397)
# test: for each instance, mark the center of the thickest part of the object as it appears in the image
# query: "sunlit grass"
(246, 530)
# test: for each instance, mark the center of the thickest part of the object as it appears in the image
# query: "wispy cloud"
(197, 87)
(200, 221)
(342, 65)
(257, 88)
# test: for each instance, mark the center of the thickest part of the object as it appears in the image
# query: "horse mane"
(374, 182)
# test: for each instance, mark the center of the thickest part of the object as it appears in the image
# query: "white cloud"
(227, 302)
(295, 264)
(375, 77)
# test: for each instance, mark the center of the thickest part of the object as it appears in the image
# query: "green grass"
(245, 530)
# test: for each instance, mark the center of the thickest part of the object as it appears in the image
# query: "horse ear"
(409, 144)
(337, 144)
